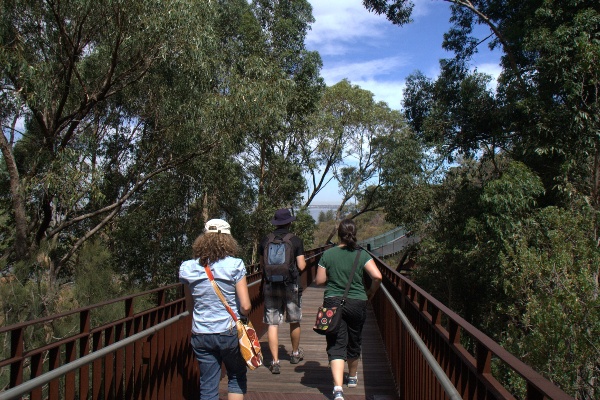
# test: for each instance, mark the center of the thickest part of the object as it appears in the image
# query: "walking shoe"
(338, 395)
(296, 358)
(352, 381)
(274, 368)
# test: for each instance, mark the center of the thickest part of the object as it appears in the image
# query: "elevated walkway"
(389, 243)
(311, 378)
(418, 349)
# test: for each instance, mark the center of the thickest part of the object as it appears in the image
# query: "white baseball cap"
(217, 226)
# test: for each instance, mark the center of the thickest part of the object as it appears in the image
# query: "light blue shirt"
(210, 315)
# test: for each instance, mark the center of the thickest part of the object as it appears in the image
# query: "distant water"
(317, 209)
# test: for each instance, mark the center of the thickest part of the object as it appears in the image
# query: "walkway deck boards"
(311, 378)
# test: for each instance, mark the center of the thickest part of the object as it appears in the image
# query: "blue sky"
(372, 53)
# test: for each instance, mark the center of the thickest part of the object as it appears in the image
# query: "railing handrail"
(416, 307)
(84, 309)
(391, 232)
(533, 378)
(18, 391)
(119, 346)
(431, 361)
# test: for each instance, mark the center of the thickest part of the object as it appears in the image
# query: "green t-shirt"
(338, 263)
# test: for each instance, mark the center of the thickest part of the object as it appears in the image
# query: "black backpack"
(279, 260)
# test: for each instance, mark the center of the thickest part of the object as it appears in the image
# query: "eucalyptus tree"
(457, 115)
(544, 113)
(93, 113)
(282, 86)
(350, 137)
(322, 149)
(369, 126)
(548, 90)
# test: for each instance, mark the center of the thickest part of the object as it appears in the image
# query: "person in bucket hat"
(283, 296)
(283, 217)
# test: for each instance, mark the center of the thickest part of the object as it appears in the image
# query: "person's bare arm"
(301, 263)
(241, 290)
(321, 277)
(375, 275)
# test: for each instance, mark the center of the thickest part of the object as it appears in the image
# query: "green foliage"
(457, 114)
(142, 128)
(353, 137)
(510, 237)
(20, 301)
(95, 280)
(102, 114)
(304, 226)
(368, 225)
(474, 213)
(550, 273)
(406, 178)
(525, 275)
(325, 216)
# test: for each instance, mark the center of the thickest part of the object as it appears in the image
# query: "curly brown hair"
(212, 247)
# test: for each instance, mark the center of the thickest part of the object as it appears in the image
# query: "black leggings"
(347, 342)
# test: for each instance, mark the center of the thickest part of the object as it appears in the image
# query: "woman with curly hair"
(335, 267)
(214, 334)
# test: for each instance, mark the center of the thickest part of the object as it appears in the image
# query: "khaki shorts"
(280, 298)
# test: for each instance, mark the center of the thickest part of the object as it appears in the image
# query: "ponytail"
(347, 233)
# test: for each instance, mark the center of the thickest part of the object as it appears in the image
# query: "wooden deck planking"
(311, 378)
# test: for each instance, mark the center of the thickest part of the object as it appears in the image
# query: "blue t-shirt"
(210, 315)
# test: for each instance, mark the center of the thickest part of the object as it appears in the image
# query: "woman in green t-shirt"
(335, 267)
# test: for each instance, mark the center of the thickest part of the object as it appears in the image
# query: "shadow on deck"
(311, 378)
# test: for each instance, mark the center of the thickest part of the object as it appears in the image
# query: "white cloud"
(423, 8)
(492, 69)
(363, 70)
(339, 23)
(389, 92)
(372, 75)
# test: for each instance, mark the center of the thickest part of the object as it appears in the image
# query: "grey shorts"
(280, 298)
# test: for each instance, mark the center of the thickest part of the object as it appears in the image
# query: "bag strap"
(351, 277)
(288, 236)
(217, 289)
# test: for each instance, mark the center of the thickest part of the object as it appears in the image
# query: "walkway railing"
(444, 332)
(146, 354)
(380, 240)
(154, 363)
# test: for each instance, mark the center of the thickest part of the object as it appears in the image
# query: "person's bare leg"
(337, 371)
(273, 341)
(352, 366)
(294, 335)
(235, 396)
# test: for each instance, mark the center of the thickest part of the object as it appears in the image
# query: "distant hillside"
(369, 225)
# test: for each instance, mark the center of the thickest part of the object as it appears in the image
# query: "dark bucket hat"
(282, 217)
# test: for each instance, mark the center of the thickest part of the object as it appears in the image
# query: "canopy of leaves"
(504, 240)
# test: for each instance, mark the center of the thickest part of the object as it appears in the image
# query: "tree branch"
(511, 58)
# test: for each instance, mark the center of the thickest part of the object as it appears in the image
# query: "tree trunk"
(261, 192)
(18, 204)
(205, 207)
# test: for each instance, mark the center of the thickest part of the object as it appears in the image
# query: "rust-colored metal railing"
(144, 354)
(441, 330)
(142, 362)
